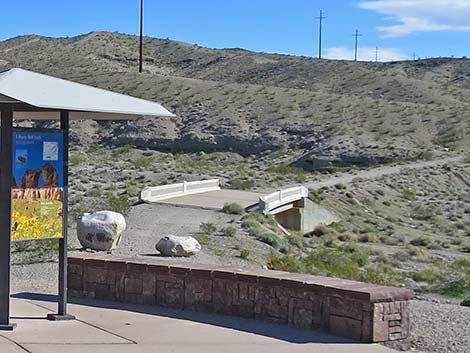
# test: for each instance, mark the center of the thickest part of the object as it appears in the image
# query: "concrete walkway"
(103, 327)
(215, 200)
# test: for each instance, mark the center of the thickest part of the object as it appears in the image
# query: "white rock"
(172, 245)
(101, 230)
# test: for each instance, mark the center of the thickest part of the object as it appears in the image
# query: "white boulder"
(171, 245)
(101, 230)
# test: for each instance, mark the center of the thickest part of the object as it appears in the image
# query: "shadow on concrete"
(276, 331)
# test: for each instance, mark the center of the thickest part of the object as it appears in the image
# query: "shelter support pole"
(6, 176)
(141, 46)
(62, 303)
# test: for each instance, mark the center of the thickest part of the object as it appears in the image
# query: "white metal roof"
(83, 102)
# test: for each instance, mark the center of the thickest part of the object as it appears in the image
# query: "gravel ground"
(147, 224)
(35, 278)
(440, 328)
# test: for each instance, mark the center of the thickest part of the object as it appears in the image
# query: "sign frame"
(6, 177)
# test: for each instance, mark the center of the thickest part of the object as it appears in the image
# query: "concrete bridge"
(291, 206)
(294, 211)
(205, 194)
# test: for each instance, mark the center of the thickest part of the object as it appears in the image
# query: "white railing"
(280, 198)
(165, 192)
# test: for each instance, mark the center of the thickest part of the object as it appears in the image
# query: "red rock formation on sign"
(50, 176)
(30, 179)
(28, 188)
(52, 194)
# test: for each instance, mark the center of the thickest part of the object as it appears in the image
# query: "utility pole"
(320, 18)
(141, 51)
(357, 35)
(376, 54)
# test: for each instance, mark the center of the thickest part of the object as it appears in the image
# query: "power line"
(357, 35)
(376, 54)
(141, 50)
(320, 18)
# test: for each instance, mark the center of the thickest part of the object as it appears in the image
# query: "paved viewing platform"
(103, 327)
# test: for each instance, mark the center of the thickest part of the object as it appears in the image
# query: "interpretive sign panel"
(38, 182)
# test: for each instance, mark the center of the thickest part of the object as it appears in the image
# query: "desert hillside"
(234, 100)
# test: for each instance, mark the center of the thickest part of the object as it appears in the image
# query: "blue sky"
(398, 27)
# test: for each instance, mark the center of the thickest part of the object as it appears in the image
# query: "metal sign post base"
(9, 327)
(57, 317)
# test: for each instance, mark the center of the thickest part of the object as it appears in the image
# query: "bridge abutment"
(304, 216)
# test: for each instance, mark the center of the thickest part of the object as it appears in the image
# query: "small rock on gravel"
(171, 245)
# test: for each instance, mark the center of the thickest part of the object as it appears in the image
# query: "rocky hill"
(245, 102)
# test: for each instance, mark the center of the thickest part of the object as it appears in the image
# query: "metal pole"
(355, 47)
(320, 18)
(6, 176)
(141, 35)
(357, 35)
(62, 303)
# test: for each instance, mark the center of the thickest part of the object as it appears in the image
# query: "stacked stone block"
(355, 310)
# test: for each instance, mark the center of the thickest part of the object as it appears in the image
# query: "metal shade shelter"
(29, 95)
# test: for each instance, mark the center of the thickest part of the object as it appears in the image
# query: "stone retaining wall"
(363, 312)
